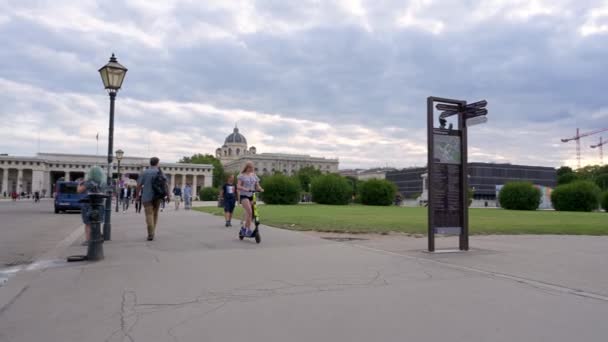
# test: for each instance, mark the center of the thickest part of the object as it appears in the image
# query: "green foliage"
(219, 175)
(519, 196)
(281, 189)
(604, 201)
(576, 196)
(602, 181)
(306, 175)
(566, 178)
(331, 189)
(209, 194)
(378, 192)
(564, 170)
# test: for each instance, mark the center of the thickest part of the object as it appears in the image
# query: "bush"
(604, 201)
(602, 181)
(331, 189)
(519, 196)
(576, 196)
(208, 194)
(280, 189)
(378, 192)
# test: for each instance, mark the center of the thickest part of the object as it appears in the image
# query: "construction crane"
(578, 137)
(600, 145)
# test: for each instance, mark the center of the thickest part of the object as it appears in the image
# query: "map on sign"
(447, 149)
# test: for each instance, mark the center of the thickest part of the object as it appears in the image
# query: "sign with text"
(447, 167)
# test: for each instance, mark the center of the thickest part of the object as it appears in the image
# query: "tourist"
(126, 198)
(94, 181)
(177, 196)
(228, 196)
(247, 183)
(138, 205)
(155, 191)
(187, 196)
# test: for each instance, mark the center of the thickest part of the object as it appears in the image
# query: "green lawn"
(366, 219)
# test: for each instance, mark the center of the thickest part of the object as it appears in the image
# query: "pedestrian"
(138, 204)
(187, 196)
(177, 196)
(155, 191)
(14, 196)
(126, 198)
(247, 183)
(228, 197)
(94, 182)
(36, 196)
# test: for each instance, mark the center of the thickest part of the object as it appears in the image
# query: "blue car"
(67, 196)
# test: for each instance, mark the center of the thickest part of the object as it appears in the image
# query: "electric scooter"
(256, 221)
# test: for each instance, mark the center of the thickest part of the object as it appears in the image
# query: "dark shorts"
(84, 212)
(241, 198)
(229, 204)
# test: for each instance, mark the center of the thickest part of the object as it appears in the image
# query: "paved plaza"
(198, 282)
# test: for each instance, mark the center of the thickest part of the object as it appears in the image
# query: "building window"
(230, 151)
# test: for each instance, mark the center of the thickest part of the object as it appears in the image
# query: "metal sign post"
(447, 168)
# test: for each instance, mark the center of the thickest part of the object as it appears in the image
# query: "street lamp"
(119, 154)
(112, 75)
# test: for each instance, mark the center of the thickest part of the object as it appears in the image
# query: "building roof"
(235, 137)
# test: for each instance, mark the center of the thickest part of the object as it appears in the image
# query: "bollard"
(95, 250)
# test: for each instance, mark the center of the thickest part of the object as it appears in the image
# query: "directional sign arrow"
(475, 112)
(448, 113)
(477, 120)
(479, 104)
(446, 107)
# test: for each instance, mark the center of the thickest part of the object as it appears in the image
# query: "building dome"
(235, 138)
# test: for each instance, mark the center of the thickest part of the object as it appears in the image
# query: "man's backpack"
(159, 185)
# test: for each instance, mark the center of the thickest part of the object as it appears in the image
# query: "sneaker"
(150, 237)
(243, 232)
(248, 233)
(227, 224)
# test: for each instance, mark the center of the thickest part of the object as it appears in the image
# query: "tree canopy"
(218, 168)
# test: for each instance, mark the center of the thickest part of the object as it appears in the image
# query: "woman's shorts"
(229, 205)
(241, 198)
(85, 213)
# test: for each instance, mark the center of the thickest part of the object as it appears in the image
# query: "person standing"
(138, 203)
(248, 182)
(228, 197)
(126, 198)
(187, 196)
(177, 196)
(155, 190)
(95, 181)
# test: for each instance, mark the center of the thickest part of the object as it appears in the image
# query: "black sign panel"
(447, 107)
(446, 196)
(479, 104)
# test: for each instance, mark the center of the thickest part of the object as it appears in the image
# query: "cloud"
(344, 78)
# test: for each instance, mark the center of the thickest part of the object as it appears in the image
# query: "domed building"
(235, 147)
(234, 154)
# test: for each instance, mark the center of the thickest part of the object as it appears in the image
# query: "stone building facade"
(234, 154)
(40, 172)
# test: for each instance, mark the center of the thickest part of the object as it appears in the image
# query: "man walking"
(155, 190)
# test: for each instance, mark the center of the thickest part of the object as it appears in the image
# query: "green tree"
(218, 169)
(378, 192)
(576, 196)
(519, 196)
(604, 201)
(602, 181)
(331, 189)
(306, 175)
(281, 189)
(566, 175)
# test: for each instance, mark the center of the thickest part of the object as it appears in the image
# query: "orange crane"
(578, 137)
(600, 145)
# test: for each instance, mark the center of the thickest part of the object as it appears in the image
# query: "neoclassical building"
(234, 154)
(40, 172)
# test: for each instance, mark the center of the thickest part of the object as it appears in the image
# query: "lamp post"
(112, 75)
(119, 154)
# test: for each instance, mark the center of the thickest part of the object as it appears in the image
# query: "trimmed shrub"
(331, 189)
(604, 200)
(280, 189)
(519, 196)
(602, 181)
(378, 192)
(208, 194)
(576, 196)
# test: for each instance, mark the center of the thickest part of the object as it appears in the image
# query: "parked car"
(67, 196)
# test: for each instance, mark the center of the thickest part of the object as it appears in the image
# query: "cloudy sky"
(344, 78)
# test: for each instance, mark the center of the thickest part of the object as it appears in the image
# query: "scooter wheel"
(241, 237)
(258, 238)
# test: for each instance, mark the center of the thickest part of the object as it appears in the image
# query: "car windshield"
(67, 188)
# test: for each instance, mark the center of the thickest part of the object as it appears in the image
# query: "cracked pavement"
(198, 282)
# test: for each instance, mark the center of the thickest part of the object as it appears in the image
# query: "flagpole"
(97, 137)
